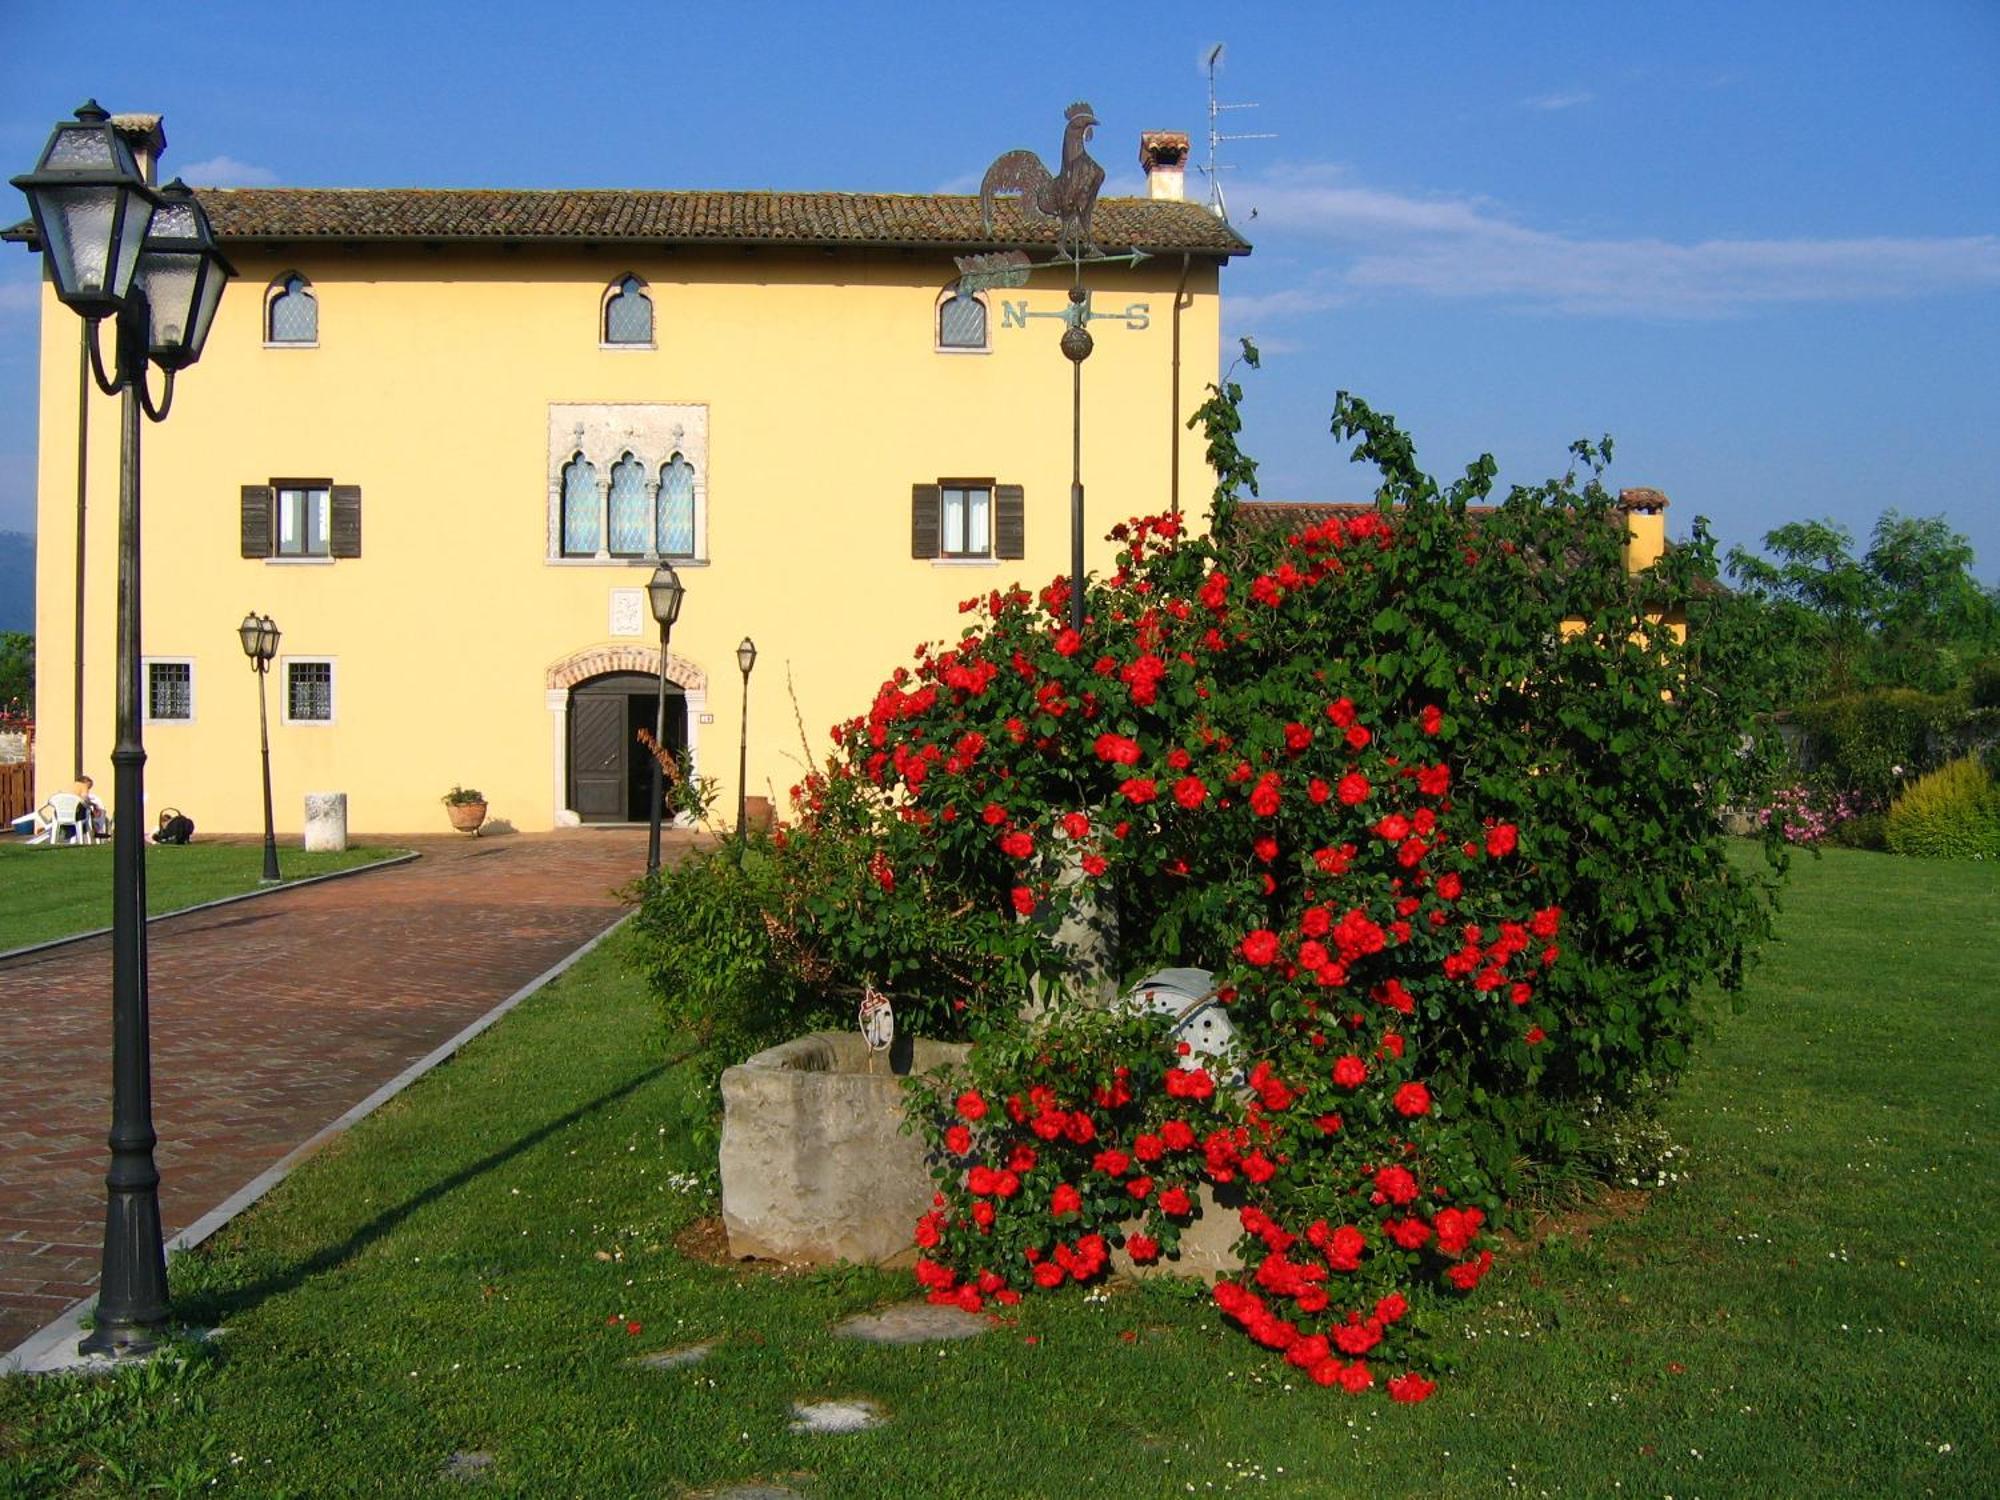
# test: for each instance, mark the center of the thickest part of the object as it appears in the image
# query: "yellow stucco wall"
(430, 388)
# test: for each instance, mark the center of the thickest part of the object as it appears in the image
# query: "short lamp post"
(147, 259)
(259, 635)
(664, 592)
(746, 658)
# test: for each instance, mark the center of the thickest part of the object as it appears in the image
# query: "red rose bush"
(1359, 770)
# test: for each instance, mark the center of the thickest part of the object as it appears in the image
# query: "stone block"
(1208, 1241)
(816, 1167)
(326, 822)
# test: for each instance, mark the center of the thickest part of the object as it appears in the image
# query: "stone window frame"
(938, 345)
(281, 286)
(285, 666)
(601, 433)
(616, 288)
(150, 662)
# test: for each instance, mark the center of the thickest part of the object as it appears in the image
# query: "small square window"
(304, 522)
(169, 692)
(309, 692)
(965, 520)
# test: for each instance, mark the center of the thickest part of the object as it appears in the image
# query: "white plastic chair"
(64, 819)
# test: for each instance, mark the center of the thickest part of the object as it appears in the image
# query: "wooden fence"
(17, 790)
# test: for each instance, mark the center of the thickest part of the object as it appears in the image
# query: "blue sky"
(1759, 244)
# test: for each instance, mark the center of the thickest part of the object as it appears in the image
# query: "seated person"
(100, 821)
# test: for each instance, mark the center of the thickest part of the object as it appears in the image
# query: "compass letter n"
(1014, 314)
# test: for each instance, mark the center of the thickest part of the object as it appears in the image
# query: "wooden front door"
(597, 757)
(610, 774)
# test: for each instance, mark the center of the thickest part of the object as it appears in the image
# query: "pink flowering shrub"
(1806, 815)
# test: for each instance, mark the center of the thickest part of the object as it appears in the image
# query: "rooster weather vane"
(1068, 195)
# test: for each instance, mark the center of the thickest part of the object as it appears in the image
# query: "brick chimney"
(1164, 154)
(147, 137)
(1645, 527)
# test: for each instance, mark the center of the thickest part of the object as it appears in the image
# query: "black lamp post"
(115, 248)
(746, 658)
(259, 635)
(664, 592)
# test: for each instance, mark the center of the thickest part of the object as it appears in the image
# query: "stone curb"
(52, 1349)
(263, 890)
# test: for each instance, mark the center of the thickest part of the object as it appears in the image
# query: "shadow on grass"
(211, 1307)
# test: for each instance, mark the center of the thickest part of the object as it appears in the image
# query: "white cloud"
(1254, 311)
(227, 171)
(1548, 103)
(1467, 247)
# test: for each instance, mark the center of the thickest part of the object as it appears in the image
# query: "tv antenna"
(1215, 169)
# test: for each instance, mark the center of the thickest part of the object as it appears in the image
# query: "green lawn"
(47, 893)
(1810, 1312)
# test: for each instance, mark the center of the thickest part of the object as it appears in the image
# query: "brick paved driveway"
(271, 1018)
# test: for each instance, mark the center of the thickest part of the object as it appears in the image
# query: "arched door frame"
(596, 662)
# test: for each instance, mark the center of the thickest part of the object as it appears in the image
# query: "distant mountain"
(17, 581)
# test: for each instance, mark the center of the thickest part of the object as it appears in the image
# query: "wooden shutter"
(923, 520)
(345, 535)
(256, 520)
(1010, 521)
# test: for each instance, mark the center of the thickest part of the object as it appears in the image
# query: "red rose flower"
(982, 1213)
(958, 1140)
(1354, 789)
(1350, 1072)
(1048, 1275)
(1076, 825)
(1264, 795)
(1410, 1388)
(1024, 900)
(1143, 1249)
(971, 1105)
(994, 814)
(1065, 1200)
(1118, 750)
(1019, 845)
(1111, 1163)
(1139, 1187)
(1536, 1036)
(1413, 1099)
(1178, 1135)
(1396, 1185)
(1094, 865)
(1261, 946)
(1068, 642)
(1501, 839)
(1190, 792)
(1139, 789)
(1431, 720)
(1341, 712)
(1175, 1201)
(1297, 737)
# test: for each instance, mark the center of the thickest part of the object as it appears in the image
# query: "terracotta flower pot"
(467, 816)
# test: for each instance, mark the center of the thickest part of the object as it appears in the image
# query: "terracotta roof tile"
(943, 221)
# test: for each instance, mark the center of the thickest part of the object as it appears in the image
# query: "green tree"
(1907, 613)
(17, 674)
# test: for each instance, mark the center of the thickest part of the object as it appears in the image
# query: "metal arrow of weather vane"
(1068, 195)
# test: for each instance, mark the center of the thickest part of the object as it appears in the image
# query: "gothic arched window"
(582, 524)
(628, 313)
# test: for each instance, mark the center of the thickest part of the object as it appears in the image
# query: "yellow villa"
(440, 437)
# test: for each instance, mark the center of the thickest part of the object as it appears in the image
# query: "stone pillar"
(1087, 937)
(326, 822)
